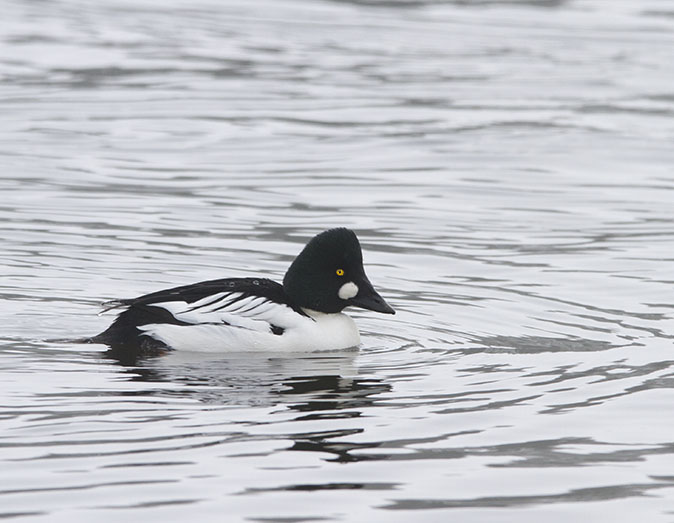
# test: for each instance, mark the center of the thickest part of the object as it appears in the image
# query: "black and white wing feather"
(248, 304)
(237, 309)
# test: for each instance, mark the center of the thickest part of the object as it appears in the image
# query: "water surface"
(508, 168)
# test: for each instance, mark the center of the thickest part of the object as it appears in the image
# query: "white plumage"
(236, 322)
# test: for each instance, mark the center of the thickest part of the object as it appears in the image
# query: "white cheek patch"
(348, 290)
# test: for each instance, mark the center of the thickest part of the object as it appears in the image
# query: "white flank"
(246, 326)
(348, 290)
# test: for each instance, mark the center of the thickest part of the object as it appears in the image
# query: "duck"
(304, 313)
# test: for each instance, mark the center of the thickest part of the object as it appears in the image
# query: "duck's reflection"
(307, 383)
(324, 387)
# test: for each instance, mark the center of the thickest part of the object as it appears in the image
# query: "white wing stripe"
(239, 305)
(234, 309)
(223, 301)
(254, 304)
(209, 300)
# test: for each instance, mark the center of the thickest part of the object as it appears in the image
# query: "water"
(508, 168)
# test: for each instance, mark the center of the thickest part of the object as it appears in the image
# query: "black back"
(263, 287)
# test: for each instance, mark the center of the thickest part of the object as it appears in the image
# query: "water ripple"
(507, 166)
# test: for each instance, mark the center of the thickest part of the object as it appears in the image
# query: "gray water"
(508, 167)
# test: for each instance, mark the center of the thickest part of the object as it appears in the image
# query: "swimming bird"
(248, 314)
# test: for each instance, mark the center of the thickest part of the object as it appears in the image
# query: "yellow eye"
(340, 272)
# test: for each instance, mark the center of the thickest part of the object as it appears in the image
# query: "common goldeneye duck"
(244, 314)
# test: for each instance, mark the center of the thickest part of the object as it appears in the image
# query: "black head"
(328, 275)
